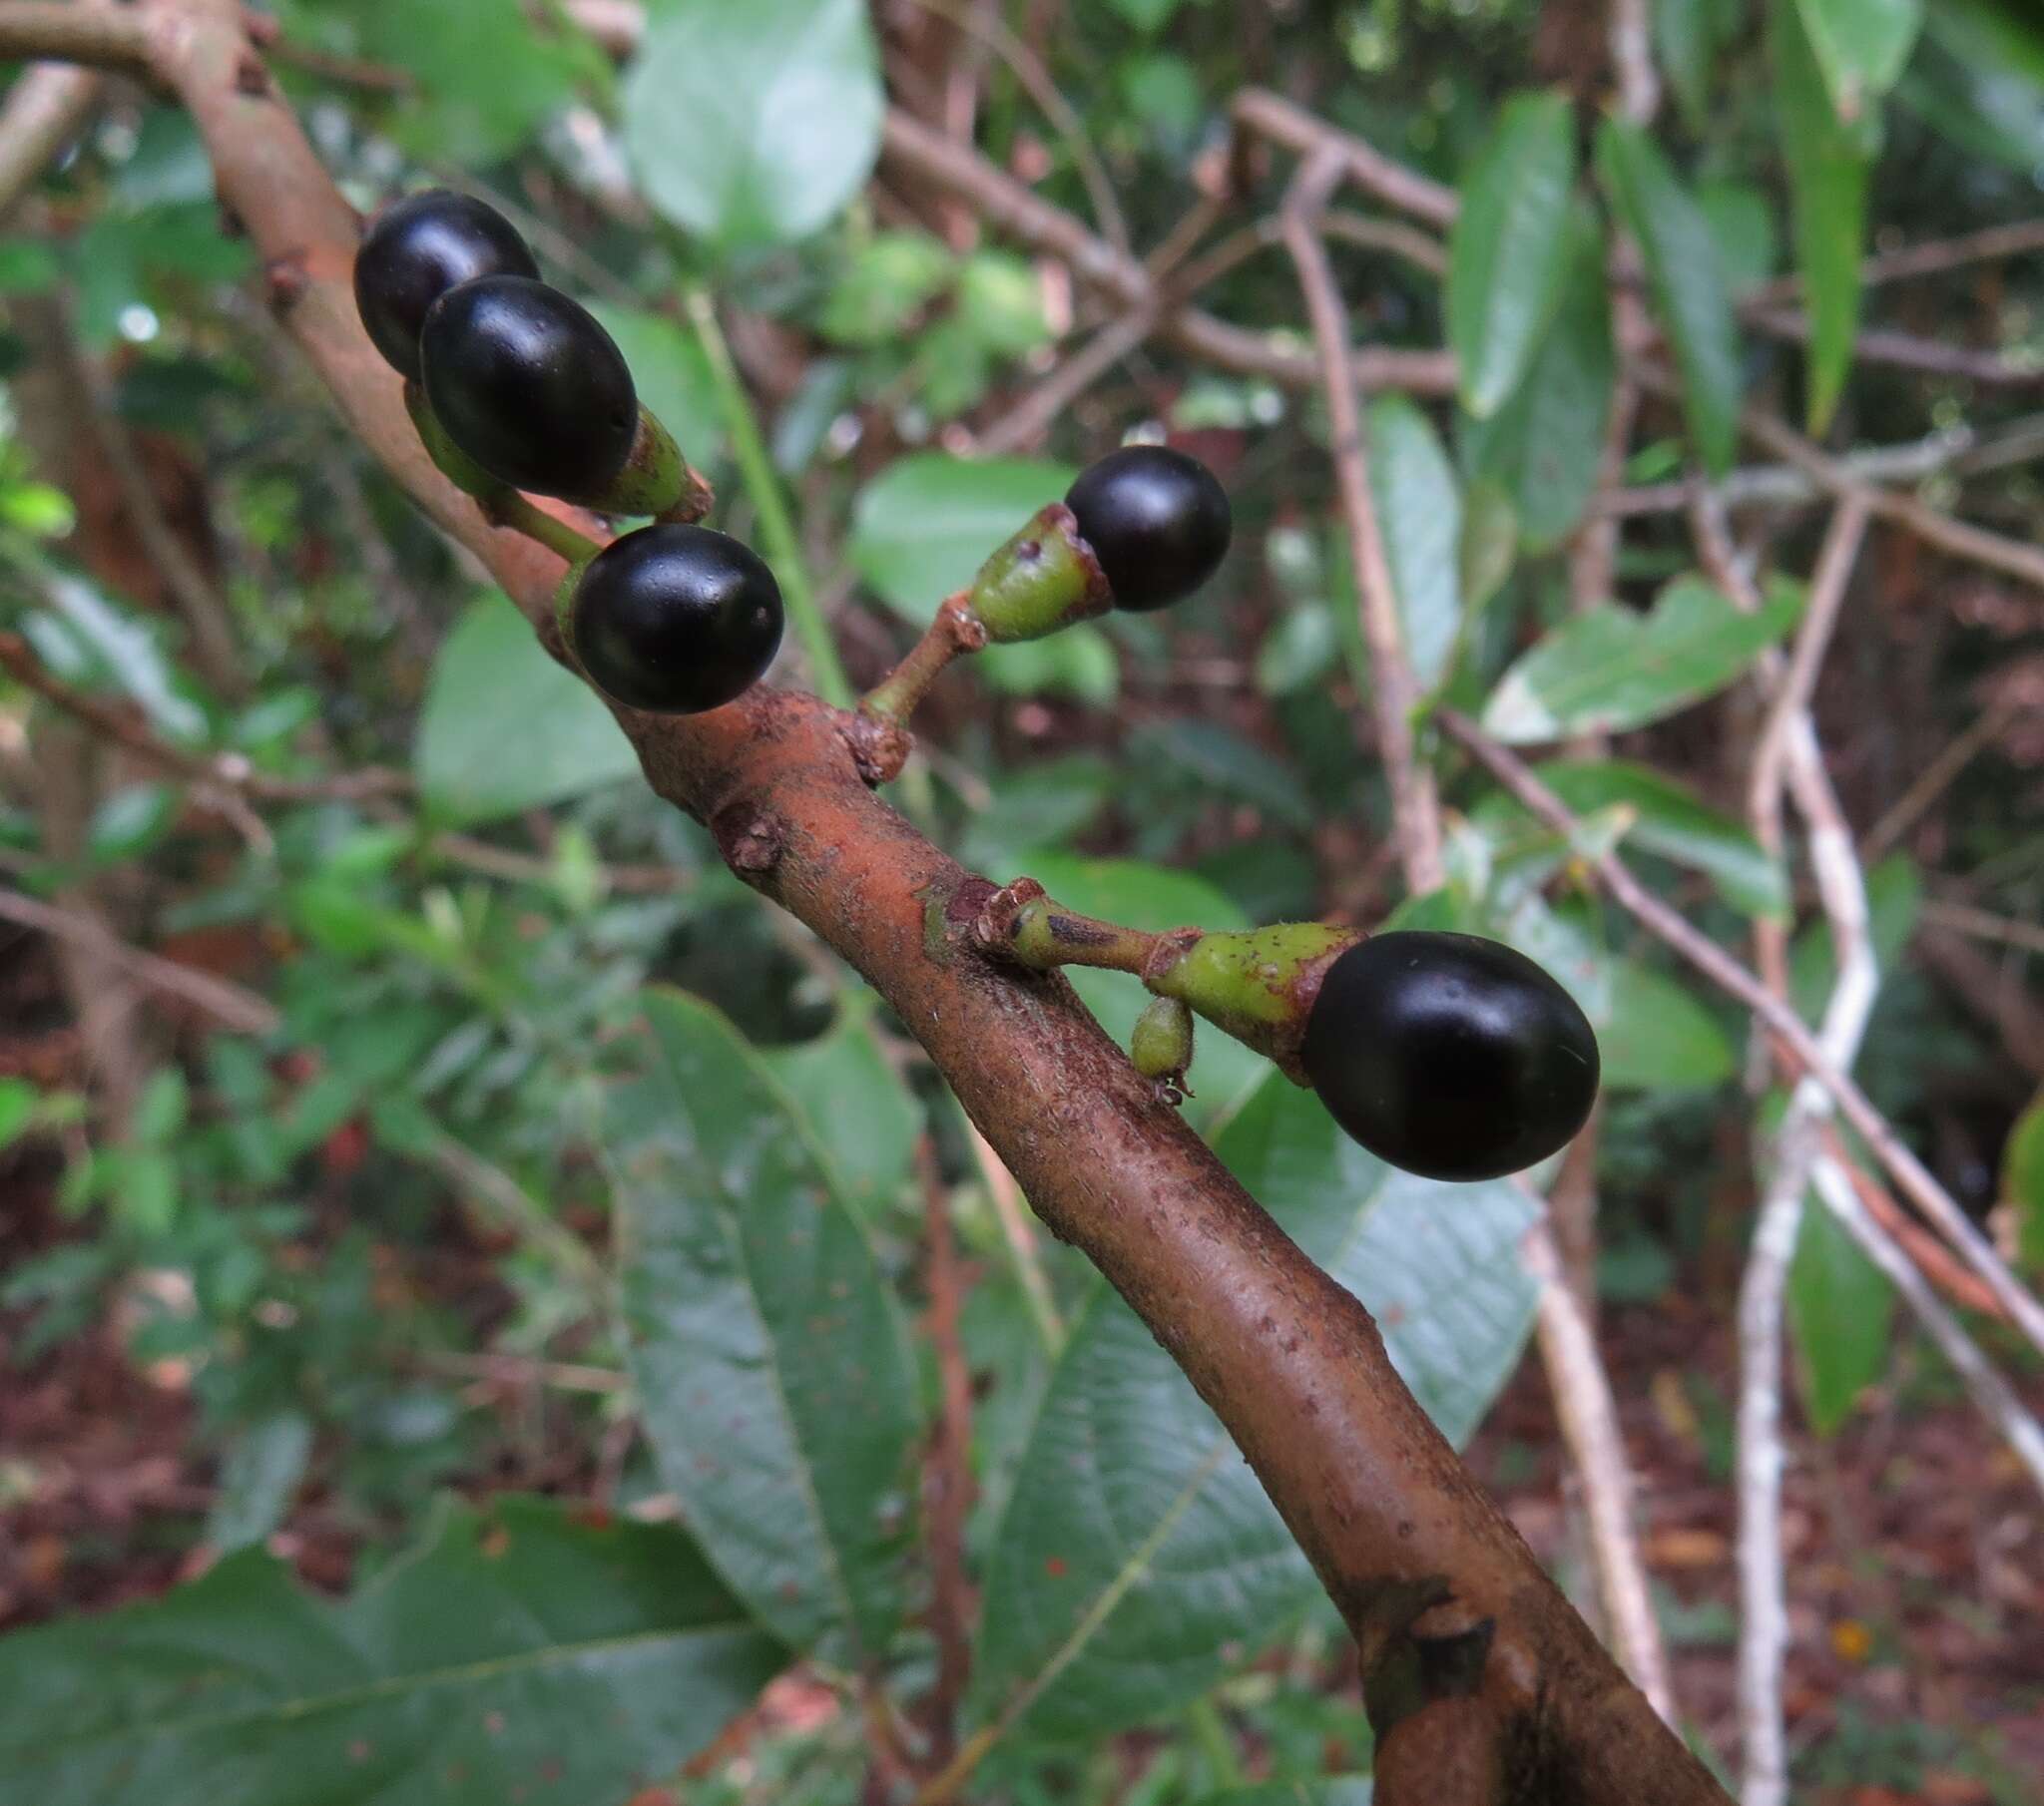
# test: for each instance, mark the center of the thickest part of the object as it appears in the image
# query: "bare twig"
(1936, 776)
(1583, 1401)
(950, 1464)
(1394, 691)
(44, 110)
(228, 1004)
(1984, 925)
(1905, 351)
(1632, 55)
(1271, 116)
(1670, 928)
(1936, 257)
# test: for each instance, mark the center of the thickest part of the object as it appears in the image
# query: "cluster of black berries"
(527, 387)
(1444, 1054)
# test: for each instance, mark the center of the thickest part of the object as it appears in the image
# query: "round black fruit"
(1451, 1055)
(530, 387)
(1157, 520)
(419, 248)
(677, 619)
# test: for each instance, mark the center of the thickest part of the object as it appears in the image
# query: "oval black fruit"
(419, 248)
(530, 387)
(676, 618)
(1451, 1055)
(1157, 520)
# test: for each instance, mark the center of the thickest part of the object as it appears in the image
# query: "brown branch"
(1936, 257)
(1437, 1587)
(1267, 115)
(228, 1004)
(1905, 351)
(1394, 694)
(44, 110)
(950, 1463)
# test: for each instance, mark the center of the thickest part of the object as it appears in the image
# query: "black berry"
(1157, 520)
(418, 250)
(530, 387)
(1451, 1055)
(677, 619)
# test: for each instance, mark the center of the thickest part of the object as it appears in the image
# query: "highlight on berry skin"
(677, 619)
(1451, 1055)
(1157, 521)
(415, 250)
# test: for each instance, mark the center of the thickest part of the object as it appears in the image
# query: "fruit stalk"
(880, 739)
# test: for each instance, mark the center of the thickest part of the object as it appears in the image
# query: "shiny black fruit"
(419, 248)
(1451, 1055)
(530, 387)
(1157, 520)
(676, 618)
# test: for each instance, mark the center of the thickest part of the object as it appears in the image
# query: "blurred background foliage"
(285, 1285)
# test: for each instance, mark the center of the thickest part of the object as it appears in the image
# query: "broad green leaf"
(1507, 249)
(1139, 1558)
(1080, 661)
(856, 1105)
(1231, 764)
(261, 1473)
(486, 79)
(1673, 822)
(885, 283)
(1829, 166)
(521, 1654)
(18, 1105)
(1613, 669)
(925, 524)
(1859, 46)
(87, 637)
(1742, 222)
(777, 1389)
(1688, 282)
(1300, 648)
(1146, 15)
(2022, 1182)
(1840, 1314)
(1980, 82)
(1657, 1035)
(131, 821)
(1034, 810)
(1420, 512)
(1684, 45)
(672, 374)
(504, 728)
(1343, 1790)
(1544, 446)
(753, 125)
(1489, 544)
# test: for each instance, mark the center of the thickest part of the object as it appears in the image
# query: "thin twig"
(950, 1463)
(1272, 116)
(43, 111)
(1936, 257)
(228, 1004)
(1632, 55)
(1670, 928)
(1984, 925)
(1936, 776)
(1394, 691)
(1587, 1412)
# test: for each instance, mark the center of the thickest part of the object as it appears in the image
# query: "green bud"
(1258, 985)
(656, 479)
(1044, 579)
(1161, 1044)
(448, 458)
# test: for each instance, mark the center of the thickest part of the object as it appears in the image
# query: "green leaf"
(1675, 823)
(672, 374)
(1079, 661)
(778, 1388)
(2022, 1182)
(1684, 45)
(504, 728)
(1861, 46)
(89, 638)
(18, 1105)
(1742, 222)
(888, 280)
(1611, 669)
(925, 524)
(1829, 166)
(1138, 1560)
(856, 1106)
(1507, 249)
(131, 821)
(1300, 648)
(1228, 763)
(1420, 512)
(1688, 282)
(518, 1654)
(753, 125)
(1034, 810)
(1840, 1314)
(1544, 446)
(261, 1473)
(1146, 15)
(1489, 545)
(485, 79)
(1981, 82)
(1894, 894)
(1657, 1035)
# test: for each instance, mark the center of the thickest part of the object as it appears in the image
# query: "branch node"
(750, 841)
